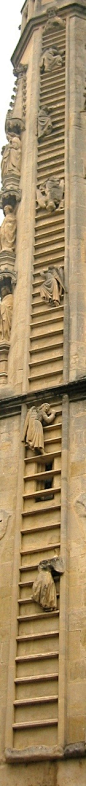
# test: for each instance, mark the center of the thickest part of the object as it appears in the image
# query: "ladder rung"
(28, 702)
(39, 549)
(37, 678)
(34, 724)
(37, 656)
(37, 494)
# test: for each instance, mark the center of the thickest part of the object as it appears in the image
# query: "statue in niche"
(53, 20)
(50, 194)
(44, 590)
(11, 157)
(8, 230)
(51, 58)
(33, 426)
(44, 122)
(53, 285)
(6, 308)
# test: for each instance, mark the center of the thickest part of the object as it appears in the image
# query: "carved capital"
(14, 125)
(10, 193)
(7, 272)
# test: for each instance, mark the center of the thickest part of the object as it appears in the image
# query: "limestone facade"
(43, 407)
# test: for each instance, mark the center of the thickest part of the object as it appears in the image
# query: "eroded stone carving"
(4, 518)
(44, 122)
(80, 505)
(53, 285)
(33, 426)
(8, 230)
(11, 157)
(51, 58)
(44, 590)
(53, 20)
(50, 194)
(6, 308)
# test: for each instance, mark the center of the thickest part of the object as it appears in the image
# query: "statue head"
(8, 209)
(4, 291)
(45, 407)
(15, 141)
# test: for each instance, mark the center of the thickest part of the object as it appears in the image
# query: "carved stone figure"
(5, 160)
(11, 159)
(50, 194)
(53, 285)
(53, 20)
(44, 590)
(6, 308)
(44, 122)
(33, 426)
(8, 230)
(51, 58)
(15, 154)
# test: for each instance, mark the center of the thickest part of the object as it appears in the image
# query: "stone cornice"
(68, 7)
(11, 404)
(40, 753)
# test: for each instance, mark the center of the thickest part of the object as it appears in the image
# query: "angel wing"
(40, 198)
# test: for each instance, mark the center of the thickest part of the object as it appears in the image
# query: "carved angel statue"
(44, 122)
(8, 230)
(6, 308)
(53, 285)
(33, 426)
(50, 194)
(51, 58)
(11, 157)
(53, 20)
(44, 590)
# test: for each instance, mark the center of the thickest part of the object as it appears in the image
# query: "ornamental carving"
(50, 194)
(44, 589)
(51, 58)
(53, 20)
(53, 285)
(44, 122)
(8, 230)
(11, 157)
(35, 419)
(6, 308)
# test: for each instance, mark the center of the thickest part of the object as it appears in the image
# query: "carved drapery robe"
(44, 122)
(50, 59)
(5, 161)
(52, 286)
(44, 590)
(11, 158)
(15, 155)
(8, 232)
(33, 426)
(6, 308)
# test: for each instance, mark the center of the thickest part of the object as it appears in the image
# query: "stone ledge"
(42, 752)
(11, 403)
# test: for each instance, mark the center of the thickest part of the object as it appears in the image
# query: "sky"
(9, 36)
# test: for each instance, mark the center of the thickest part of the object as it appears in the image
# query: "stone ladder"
(35, 717)
(47, 322)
